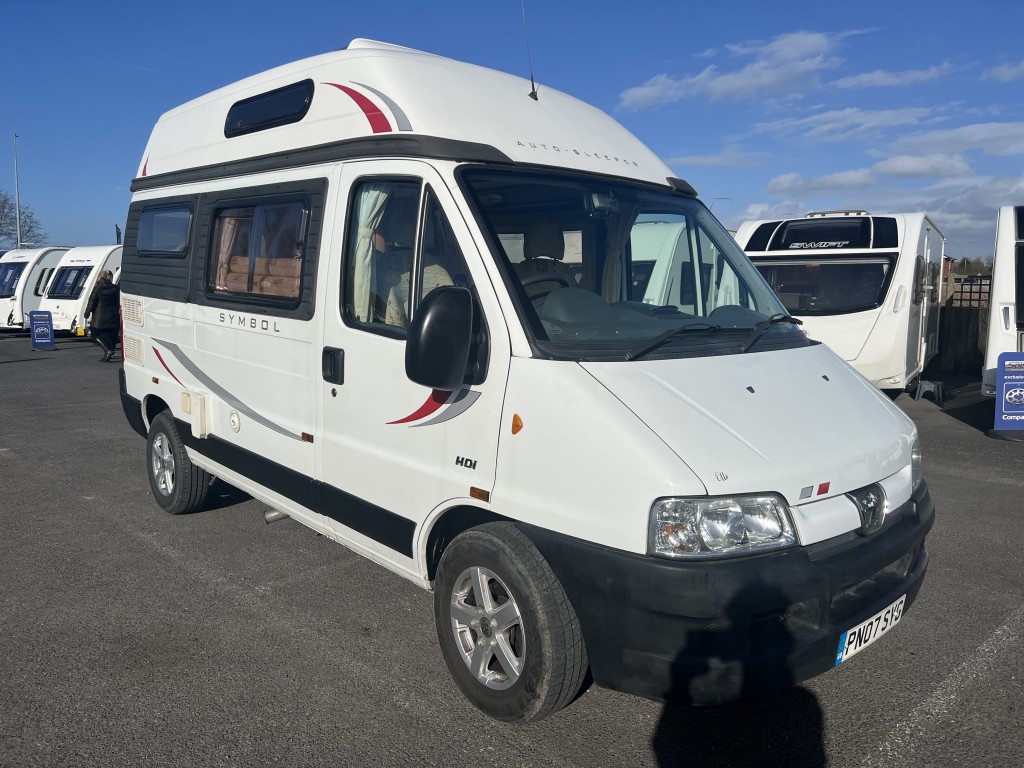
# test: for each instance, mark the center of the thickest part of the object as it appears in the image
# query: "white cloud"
(843, 124)
(788, 209)
(833, 182)
(1002, 139)
(883, 79)
(784, 66)
(1005, 73)
(730, 157)
(953, 166)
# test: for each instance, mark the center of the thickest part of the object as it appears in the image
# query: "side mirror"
(439, 338)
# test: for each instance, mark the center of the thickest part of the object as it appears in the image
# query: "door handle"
(332, 365)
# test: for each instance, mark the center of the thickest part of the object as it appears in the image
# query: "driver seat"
(544, 249)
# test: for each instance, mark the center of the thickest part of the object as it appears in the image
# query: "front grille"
(854, 598)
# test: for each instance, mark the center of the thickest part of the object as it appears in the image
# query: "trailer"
(24, 274)
(72, 282)
(1006, 294)
(865, 285)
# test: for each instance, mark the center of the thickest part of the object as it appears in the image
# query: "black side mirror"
(439, 338)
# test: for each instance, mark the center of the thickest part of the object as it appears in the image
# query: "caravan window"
(68, 282)
(164, 231)
(257, 250)
(847, 232)
(400, 247)
(9, 274)
(829, 286)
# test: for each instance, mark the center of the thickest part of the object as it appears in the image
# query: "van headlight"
(916, 464)
(719, 527)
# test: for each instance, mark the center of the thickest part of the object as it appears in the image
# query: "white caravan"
(689, 499)
(24, 274)
(72, 282)
(867, 286)
(1006, 294)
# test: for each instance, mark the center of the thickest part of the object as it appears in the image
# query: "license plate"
(858, 638)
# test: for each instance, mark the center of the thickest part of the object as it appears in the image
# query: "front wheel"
(508, 633)
(178, 485)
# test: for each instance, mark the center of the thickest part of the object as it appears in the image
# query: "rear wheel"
(178, 485)
(508, 633)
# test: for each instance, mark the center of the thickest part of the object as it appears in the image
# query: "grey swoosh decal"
(456, 407)
(400, 118)
(222, 393)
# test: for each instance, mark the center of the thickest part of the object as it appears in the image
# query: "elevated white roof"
(376, 90)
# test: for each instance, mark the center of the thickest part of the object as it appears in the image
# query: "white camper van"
(689, 499)
(1006, 294)
(24, 274)
(867, 286)
(71, 285)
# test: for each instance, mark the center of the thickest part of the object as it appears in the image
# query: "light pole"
(730, 203)
(17, 197)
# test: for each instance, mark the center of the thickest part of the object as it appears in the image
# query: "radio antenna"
(529, 60)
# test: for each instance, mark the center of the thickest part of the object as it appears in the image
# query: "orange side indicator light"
(517, 424)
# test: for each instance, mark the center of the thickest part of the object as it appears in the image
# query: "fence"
(963, 325)
(970, 294)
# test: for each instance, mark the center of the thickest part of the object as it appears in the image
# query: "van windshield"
(9, 274)
(610, 270)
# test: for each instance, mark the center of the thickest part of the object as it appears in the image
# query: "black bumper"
(132, 408)
(709, 631)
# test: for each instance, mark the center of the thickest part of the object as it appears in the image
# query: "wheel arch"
(450, 524)
(152, 406)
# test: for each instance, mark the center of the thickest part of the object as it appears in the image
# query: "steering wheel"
(547, 278)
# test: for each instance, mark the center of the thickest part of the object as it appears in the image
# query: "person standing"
(104, 313)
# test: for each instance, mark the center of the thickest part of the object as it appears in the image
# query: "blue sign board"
(41, 325)
(1010, 392)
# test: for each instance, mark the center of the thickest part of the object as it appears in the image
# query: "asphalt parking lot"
(130, 637)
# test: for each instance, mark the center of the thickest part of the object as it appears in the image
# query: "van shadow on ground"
(222, 495)
(772, 723)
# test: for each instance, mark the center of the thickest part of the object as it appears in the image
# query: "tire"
(178, 485)
(517, 654)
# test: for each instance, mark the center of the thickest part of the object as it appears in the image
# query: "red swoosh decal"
(379, 122)
(435, 400)
(161, 359)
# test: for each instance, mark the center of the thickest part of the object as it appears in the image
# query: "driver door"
(394, 453)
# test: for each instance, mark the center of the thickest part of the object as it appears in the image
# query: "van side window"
(380, 246)
(164, 231)
(441, 263)
(381, 287)
(257, 250)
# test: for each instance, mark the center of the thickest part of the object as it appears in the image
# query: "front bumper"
(709, 631)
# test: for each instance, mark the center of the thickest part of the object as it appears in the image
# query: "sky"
(767, 109)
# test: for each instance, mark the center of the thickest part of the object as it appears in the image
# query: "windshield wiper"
(762, 327)
(661, 338)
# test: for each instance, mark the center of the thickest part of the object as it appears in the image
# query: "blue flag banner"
(1010, 393)
(41, 325)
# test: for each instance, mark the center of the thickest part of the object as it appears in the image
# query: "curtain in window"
(373, 199)
(617, 232)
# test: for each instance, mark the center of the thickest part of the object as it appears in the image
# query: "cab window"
(399, 248)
